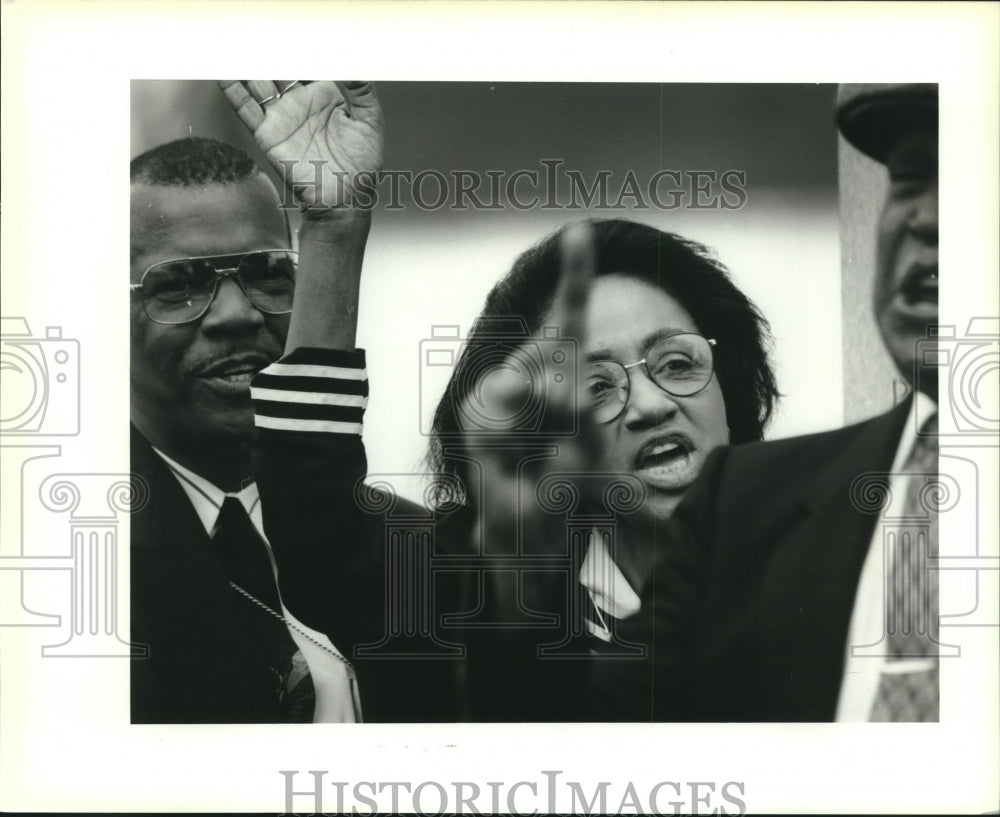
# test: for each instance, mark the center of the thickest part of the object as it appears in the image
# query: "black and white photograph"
(437, 568)
(567, 432)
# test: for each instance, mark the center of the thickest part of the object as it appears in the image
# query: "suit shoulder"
(144, 463)
(800, 449)
(745, 473)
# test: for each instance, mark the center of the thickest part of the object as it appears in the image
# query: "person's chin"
(224, 426)
(664, 493)
(662, 504)
(904, 333)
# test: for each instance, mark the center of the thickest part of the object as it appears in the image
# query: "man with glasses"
(212, 280)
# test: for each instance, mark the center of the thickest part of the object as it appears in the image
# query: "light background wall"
(424, 269)
(871, 382)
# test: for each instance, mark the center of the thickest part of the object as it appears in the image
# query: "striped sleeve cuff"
(324, 390)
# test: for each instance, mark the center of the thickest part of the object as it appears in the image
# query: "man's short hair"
(195, 160)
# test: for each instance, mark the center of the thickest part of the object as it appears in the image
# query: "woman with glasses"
(604, 368)
(673, 363)
(662, 312)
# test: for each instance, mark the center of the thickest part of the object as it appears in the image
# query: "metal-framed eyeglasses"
(181, 291)
(681, 364)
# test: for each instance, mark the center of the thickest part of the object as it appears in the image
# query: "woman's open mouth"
(667, 462)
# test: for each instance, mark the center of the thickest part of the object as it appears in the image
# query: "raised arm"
(324, 138)
(310, 404)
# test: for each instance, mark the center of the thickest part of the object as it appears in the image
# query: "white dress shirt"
(337, 698)
(862, 672)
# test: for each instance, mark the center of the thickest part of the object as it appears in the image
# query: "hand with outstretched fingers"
(313, 131)
(529, 481)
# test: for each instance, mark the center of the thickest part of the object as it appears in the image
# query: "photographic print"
(477, 422)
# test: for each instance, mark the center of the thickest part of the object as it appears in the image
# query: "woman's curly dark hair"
(684, 269)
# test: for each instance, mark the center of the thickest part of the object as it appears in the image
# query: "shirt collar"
(609, 589)
(207, 498)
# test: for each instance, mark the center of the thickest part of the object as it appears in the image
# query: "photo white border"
(66, 740)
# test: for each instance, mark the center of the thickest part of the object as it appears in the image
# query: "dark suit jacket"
(334, 576)
(204, 665)
(754, 586)
(331, 550)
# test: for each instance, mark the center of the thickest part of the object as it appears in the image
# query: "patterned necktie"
(908, 688)
(248, 566)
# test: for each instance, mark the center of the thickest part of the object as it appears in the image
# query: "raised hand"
(320, 136)
(529, 470)
(326, 132)
(540, 373)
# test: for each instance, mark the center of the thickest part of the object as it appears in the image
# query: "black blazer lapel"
(807, 596)
(201, 652)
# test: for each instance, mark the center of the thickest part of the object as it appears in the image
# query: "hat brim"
(875, 122)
